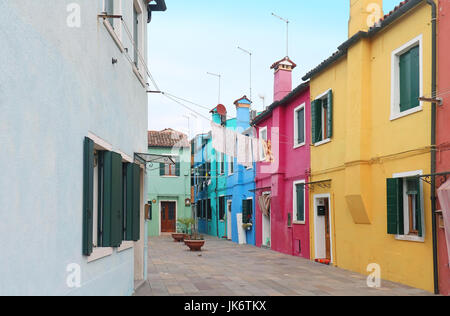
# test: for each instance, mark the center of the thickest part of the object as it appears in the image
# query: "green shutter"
(410, 79)
(177, 168)
(415, 77)
(112, 223)
(133, 203)
(330, 115)
(300, 202)
(313, 122)
(162, 169)
(88, 196)
(419, 208)
(395, 207)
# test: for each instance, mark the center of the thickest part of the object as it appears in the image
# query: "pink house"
(282, 216)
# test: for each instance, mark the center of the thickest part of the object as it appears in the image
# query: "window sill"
(139, 76)
(114, 35)
(410, 238)
(99, 253)
(125, 246)
(299, 145)
(169, 177)
(299, 223)
(323, 142)
(397, 116)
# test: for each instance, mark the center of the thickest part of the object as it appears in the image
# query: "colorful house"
(371, 144)
(73, 126)
(168, 183)
(283, 225)
(223, 189)
(443, 137)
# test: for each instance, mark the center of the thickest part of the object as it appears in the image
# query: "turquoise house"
(169, 184)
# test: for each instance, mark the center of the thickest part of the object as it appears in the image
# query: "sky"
(198, 36)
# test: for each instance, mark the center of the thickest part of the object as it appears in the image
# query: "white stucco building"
(73, 114)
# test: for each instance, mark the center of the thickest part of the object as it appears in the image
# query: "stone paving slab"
(228, 269)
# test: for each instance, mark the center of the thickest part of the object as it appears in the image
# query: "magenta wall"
(443, 130)
(293, 166)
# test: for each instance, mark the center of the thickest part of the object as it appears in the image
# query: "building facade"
(72, 119)
(443, 137)
(370, 144)
(283, 225)
(169, 183)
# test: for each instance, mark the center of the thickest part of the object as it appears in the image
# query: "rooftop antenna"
(250, 54)
(287, 31)
(220, 79)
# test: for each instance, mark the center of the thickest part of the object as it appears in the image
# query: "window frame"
(294, 203)
(395, 78)
(262, 154)
(297, 144)
(325, 140)
(406, 219)
(174, 175)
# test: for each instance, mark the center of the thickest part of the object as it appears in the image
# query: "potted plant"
(182, 229)
(195, 242)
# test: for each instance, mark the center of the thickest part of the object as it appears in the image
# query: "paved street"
(227, 269)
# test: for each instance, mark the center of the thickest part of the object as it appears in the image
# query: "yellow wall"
(367, 148)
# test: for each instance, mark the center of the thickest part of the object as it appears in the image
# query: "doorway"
(322, 227)
(229, 230)
(168, 217)
(267, 226)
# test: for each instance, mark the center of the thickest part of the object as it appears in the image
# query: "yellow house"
(371, 142)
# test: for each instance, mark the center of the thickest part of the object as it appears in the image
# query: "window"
(405, 216)
(247, 211)
(263, 143)
(222, 208)
(199, 209)
(109, 10)
(230, 165)
(299, 202)
(406, 79)
(299, 126)
(111, 199)
(221, 163)
(208, 209)
(136, 32)
(170, 169)
(322, 118)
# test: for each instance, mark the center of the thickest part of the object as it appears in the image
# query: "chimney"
(219, 114)
(363, 15)
(283, 78)
(243, 113)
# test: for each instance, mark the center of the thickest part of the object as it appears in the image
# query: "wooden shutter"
(419, 208)
(162, 169)
(300, 126)
(395, 207)
(133, 211)
(177, 168)
(415, 77)
(329, 121)
(244, 212)
(112, 222)
(300, 188)
(88, 196)
(314, 121)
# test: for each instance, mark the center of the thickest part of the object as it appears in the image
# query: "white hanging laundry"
(255, 148)
(230, 143)
(242, 149)
(218, 137)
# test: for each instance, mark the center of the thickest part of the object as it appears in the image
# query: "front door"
(168, 217)
(229, 220)
(327, 230)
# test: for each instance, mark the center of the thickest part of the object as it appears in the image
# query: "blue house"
(222, 187)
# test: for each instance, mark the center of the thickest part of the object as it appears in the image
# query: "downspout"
(433, 142)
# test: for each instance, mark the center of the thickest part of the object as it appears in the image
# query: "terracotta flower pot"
(178, 237)
(195, 245)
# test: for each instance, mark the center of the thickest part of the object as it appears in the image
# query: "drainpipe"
(433, 142)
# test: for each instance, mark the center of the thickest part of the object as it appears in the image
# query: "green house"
(169, 184)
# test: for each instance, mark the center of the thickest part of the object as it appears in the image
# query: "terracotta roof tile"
(167, 138)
